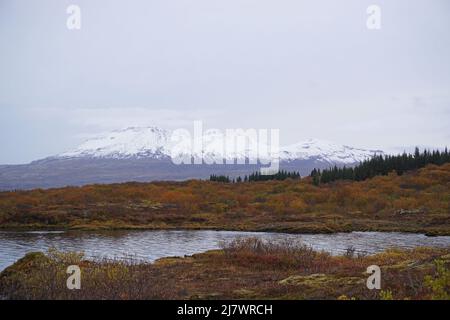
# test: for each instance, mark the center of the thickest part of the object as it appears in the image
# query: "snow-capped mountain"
(146, 154)
(326, 151)
(126, 143)
(158, 143)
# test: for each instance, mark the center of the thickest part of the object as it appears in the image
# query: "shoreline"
(29, 228)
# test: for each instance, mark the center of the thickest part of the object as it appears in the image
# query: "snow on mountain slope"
(326, 151)
(135, 142)
(126, 143)
(155, 142)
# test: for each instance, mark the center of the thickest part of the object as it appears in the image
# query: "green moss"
(440, 283)
(172, 260)
(410, 265)
(206, 296)
(320, 280)
(244, 293)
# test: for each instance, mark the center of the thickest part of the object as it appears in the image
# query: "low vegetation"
(243, 269)
(416, 201)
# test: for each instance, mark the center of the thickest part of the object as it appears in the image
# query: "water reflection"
(151, 245)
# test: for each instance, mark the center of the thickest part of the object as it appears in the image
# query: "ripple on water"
(151, 245)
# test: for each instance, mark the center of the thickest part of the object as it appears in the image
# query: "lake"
(151, 245)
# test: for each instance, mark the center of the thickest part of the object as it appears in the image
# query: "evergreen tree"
(382, 165)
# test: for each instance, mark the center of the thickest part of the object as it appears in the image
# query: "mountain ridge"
(141, 142)
(143, 154)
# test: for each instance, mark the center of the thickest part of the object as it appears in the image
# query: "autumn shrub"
(39, 276)
(276, 205)
(283, 254)
(440, 283)
(298, 205)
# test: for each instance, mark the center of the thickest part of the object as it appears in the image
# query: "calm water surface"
(151, 245)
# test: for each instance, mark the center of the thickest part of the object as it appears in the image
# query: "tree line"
(257, 176)
(382, 165)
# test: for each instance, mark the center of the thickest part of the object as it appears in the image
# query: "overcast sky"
(310, 68)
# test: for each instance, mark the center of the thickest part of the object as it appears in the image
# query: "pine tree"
(382, 165)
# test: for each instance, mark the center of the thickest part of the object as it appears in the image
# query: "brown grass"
(415, 202)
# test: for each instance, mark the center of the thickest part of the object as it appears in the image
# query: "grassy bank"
(244, 269)
(417, 201)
